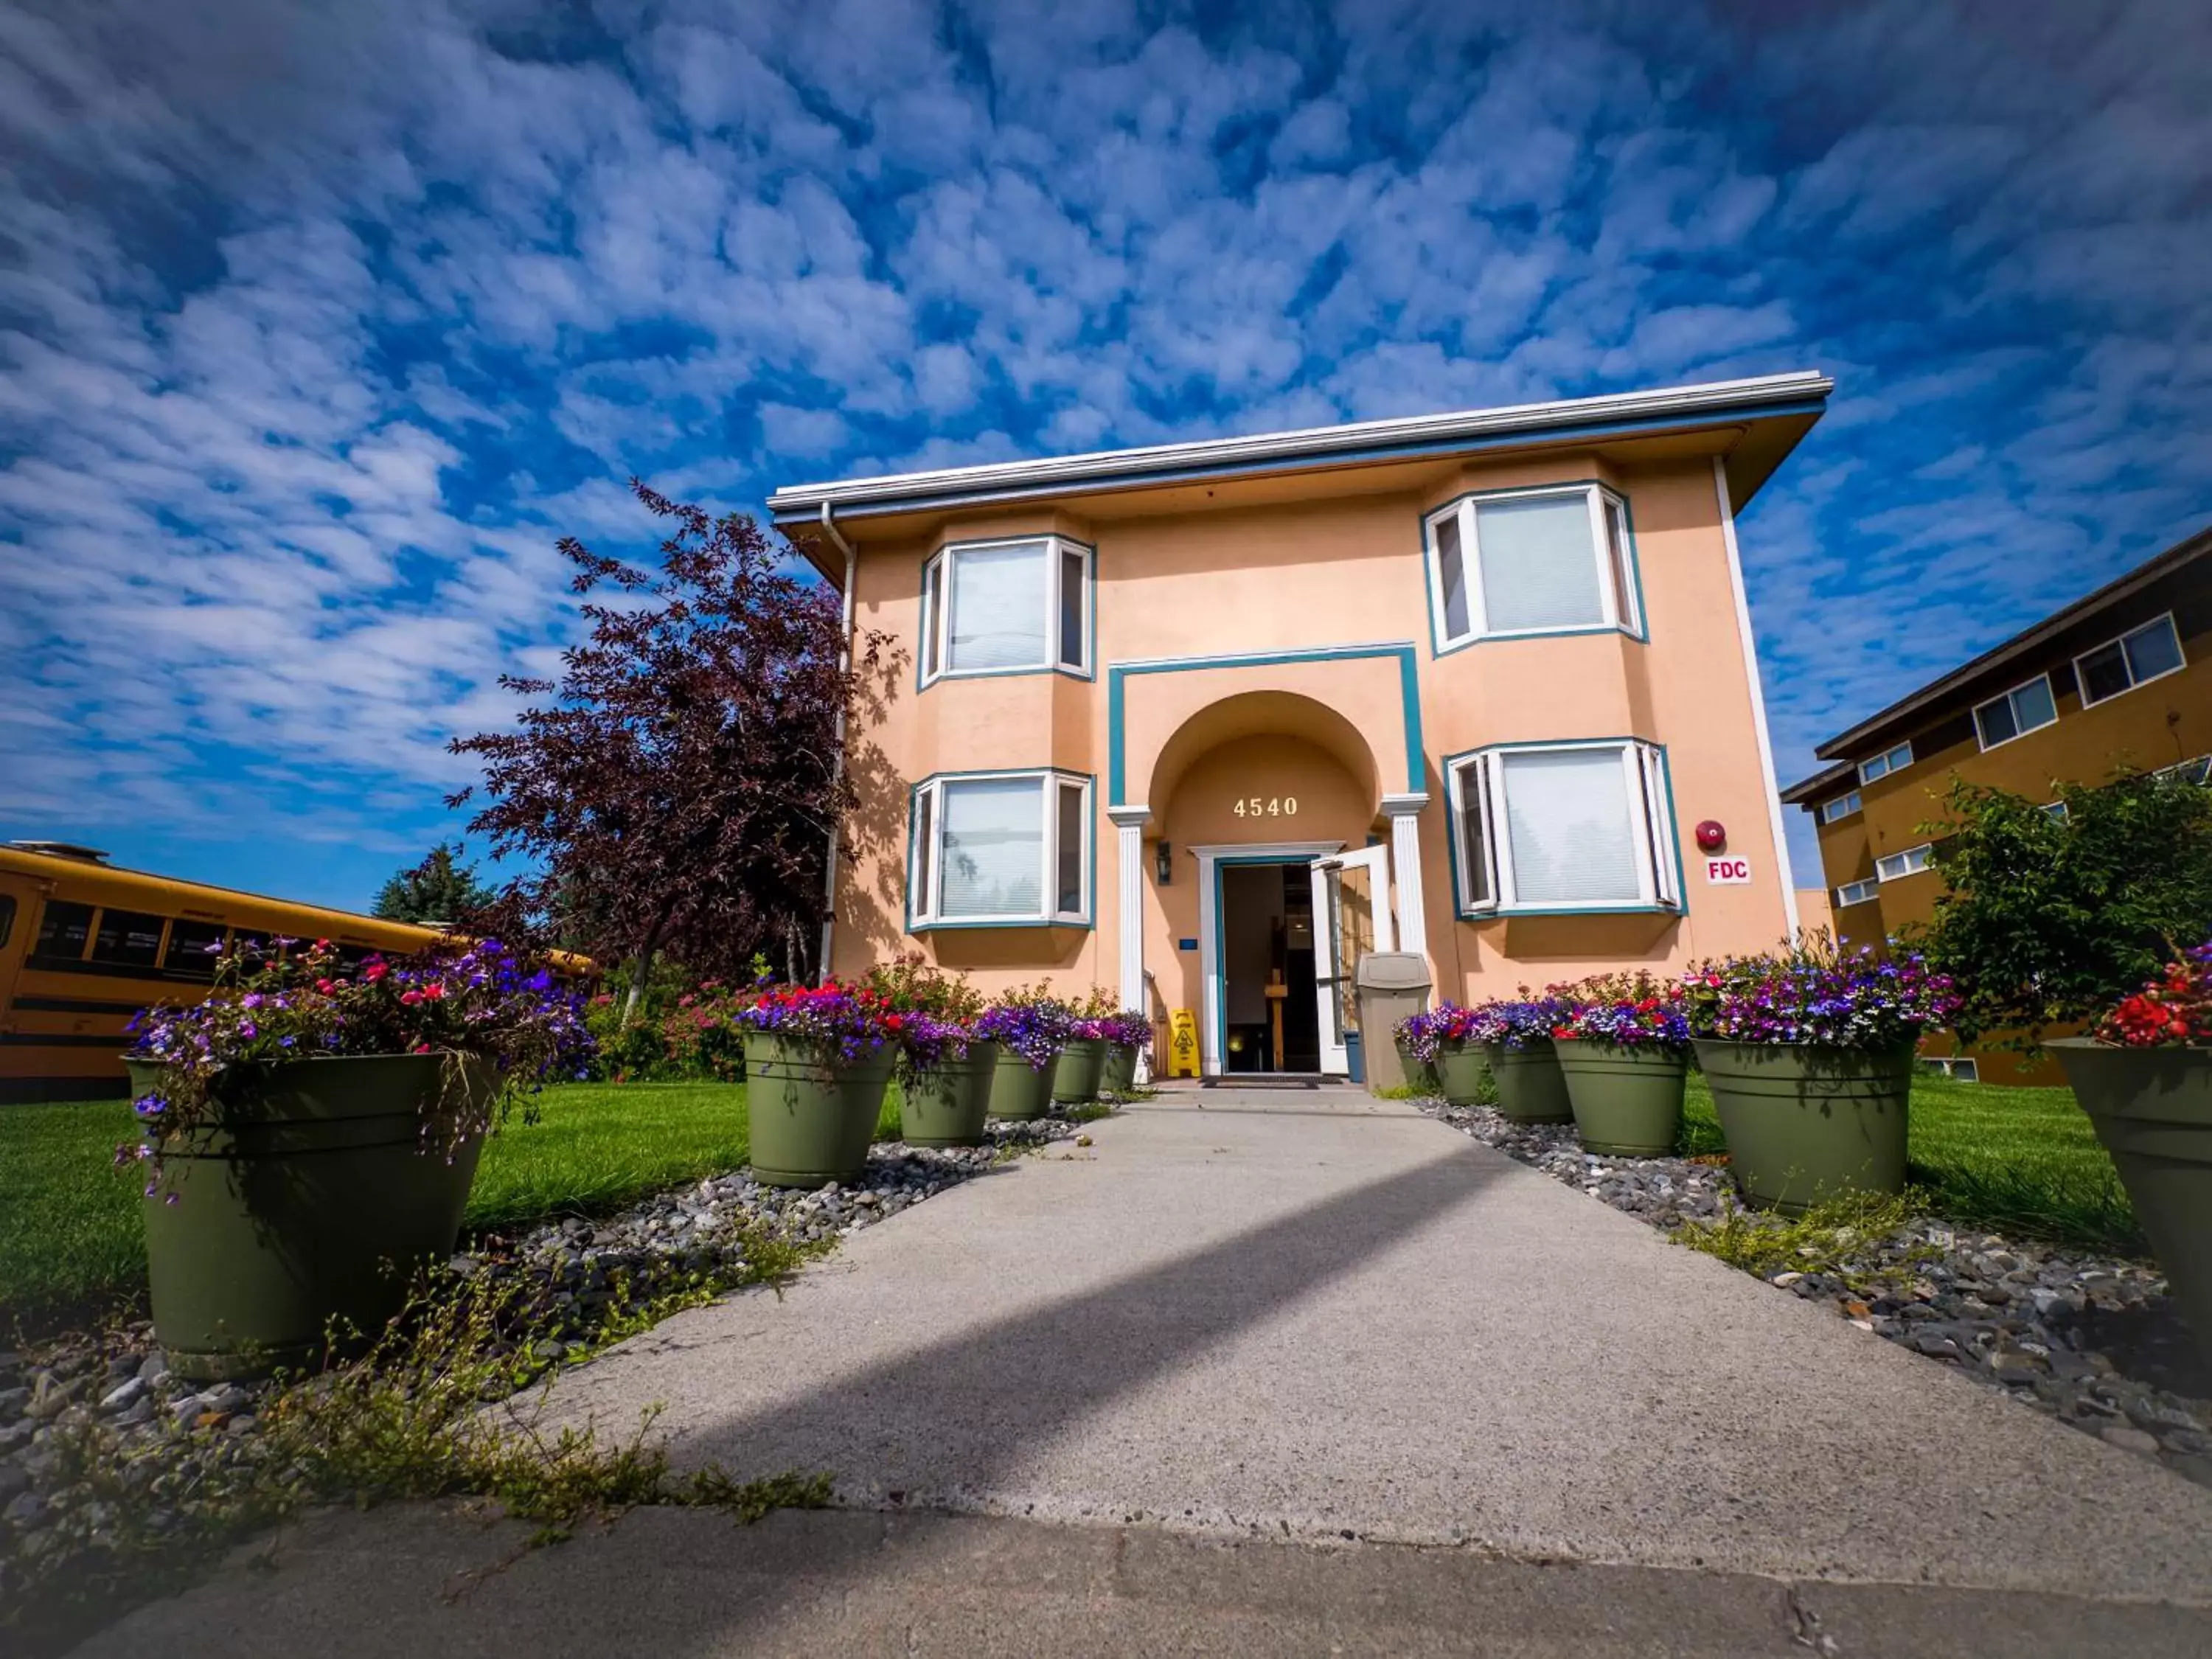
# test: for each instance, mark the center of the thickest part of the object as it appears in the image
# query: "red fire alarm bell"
(1712, 835)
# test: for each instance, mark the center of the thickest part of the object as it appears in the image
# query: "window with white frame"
(1910, 862)
(1006, 607)
(2149, 652)
(1842, 807)
(2188, 771)
(1001, 847)
(1578, 826)
(1559, 559)
(2025, 709)
(1894, 760)
(1857, 892)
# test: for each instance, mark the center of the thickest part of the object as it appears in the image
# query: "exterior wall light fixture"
(1163, 863)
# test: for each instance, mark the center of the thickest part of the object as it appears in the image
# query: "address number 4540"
(1267, 806)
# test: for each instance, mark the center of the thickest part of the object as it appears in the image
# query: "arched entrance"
(1270, 801)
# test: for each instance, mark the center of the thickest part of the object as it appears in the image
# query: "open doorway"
(1271, 1022)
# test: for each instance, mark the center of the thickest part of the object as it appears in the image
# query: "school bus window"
(64, 927)
(7, 919)
(128, 938)
(191, 948)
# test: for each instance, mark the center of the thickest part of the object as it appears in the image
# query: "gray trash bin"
(1390, 985)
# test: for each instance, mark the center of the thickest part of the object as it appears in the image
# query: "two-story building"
(1207, 722)
(2120, 679)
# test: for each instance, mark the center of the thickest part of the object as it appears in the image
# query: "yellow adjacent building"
(2120, 679)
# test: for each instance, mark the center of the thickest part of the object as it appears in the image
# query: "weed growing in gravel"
(433, 1408)
(1855, 1238)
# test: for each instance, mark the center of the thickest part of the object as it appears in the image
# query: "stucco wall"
(1332, 570)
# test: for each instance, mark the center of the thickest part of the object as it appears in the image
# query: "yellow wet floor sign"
(1182, 1043)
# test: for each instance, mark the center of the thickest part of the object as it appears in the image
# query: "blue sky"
(318, 325)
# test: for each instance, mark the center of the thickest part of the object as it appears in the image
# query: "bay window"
(1010, 607)
(1559, 559)
(1564, 826)
(1000, 849)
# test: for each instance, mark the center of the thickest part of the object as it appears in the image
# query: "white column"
(1129, 823)
(1404, 815)
(1129, 832)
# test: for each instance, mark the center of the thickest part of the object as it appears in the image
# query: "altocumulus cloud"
(318, 323)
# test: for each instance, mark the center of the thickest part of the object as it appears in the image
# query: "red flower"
(410, 998)
(325, 985)
(376, 969)
(434, 991)
(892, 1022)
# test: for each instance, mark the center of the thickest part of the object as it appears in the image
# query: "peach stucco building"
(1191, 722)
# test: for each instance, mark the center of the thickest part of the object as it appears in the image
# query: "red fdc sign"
(1728, 872)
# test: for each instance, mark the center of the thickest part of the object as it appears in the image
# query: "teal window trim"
(1602, 497)
(1409, 693)
(1659, 837)
(933, 623)
(1085, 919)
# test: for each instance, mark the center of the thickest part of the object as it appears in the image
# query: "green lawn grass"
(2022, 1162)
(69, 1234)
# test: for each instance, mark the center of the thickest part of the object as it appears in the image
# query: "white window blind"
(1568, 824)
(999, 608)
(992, 862)
(1538, 568)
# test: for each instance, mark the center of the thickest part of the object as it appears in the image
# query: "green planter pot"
(1119, 1075)
(2152, 1109)
(946, 1105)
(1531, 1089)
(1420, 1075)
(1077, 1072)
(1020, 1091)
(306, 1200)
(1461, 1069)
(1804, 1123)
(1627, 1101)
(812, 1112)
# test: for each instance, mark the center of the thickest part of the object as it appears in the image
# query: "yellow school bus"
(84, 946)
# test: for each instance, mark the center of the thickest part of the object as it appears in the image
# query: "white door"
(1351, 917)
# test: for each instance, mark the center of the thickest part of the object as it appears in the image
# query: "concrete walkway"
(1306, 1318)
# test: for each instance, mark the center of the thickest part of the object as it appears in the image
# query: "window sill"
(937, 679)
(1073, 924)
(1447, 647)
(1509, 912)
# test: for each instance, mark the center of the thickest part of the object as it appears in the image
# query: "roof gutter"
(1357, 443)
(836, 538)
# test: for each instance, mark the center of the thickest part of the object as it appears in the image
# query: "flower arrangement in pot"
(1443, 1040)
(310, 1131)
(945, 1065)
(1516, 1037)
(1810, 1054)
(1127, 1037)
(818, 1059)
(2144, 1077)
(1029, 1025)
(1078, 1074)
(1624, 1052)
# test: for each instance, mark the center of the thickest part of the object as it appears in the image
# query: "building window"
(1001, 849)
(2025, 709)
(1895, 760)
(2056, 809)
(2150, 653)
(1842, 807)
(1012, 607)
(1910, 862)
(1957, 1070)
(2188, 771)
(1581, 826)
(1548, 561)
(1857, 892)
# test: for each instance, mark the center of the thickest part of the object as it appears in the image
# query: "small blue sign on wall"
(1186, 945)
